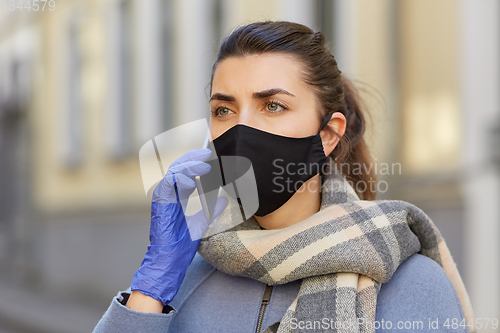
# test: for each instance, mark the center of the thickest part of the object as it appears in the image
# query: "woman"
(320, 253)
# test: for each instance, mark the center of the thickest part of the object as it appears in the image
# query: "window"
(72, 144)
(325, 16)
(125, 60)
(167, 65)
(120, 132)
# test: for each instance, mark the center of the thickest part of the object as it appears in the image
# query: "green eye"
(221, 111)
(273, 106)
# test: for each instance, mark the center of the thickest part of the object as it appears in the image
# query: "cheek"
(304, 128)
(301, 126)
(215, 131)
(212, 133)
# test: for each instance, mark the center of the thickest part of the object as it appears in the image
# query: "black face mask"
(281, 164)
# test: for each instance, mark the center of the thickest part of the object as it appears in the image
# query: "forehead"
(258, 71)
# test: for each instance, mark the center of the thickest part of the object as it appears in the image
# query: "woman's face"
(263, 91)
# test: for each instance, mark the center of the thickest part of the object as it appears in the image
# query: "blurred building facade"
(83, 87)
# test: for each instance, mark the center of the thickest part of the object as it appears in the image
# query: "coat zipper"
(263, 305)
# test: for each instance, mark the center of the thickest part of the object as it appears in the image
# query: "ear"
(329, 139)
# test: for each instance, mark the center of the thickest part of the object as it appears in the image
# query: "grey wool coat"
(418, 298)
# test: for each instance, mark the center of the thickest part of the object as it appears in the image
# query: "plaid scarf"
(343, 254)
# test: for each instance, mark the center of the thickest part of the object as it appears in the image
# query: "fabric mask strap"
(325, 121)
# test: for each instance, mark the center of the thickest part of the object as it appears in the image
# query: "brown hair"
(334, 92)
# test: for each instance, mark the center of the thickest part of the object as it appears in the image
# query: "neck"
(304, 203)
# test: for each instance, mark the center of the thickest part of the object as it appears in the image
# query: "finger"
(164, 191)
(182, 173)
(183, 182)
(166, 185)
(185, 190)
(193, 155)
(220, 204)
(191, 168)
(198, 224)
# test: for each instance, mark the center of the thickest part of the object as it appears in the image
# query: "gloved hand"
(174, 237)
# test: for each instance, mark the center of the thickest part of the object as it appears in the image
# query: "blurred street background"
(84, 84)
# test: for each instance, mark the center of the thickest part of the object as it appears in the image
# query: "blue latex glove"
(174, 237)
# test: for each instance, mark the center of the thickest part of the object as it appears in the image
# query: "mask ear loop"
(323, 125)
(325, 121)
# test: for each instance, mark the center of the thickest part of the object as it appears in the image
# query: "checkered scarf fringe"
(343, 254)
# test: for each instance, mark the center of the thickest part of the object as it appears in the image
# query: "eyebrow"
(256, 95)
